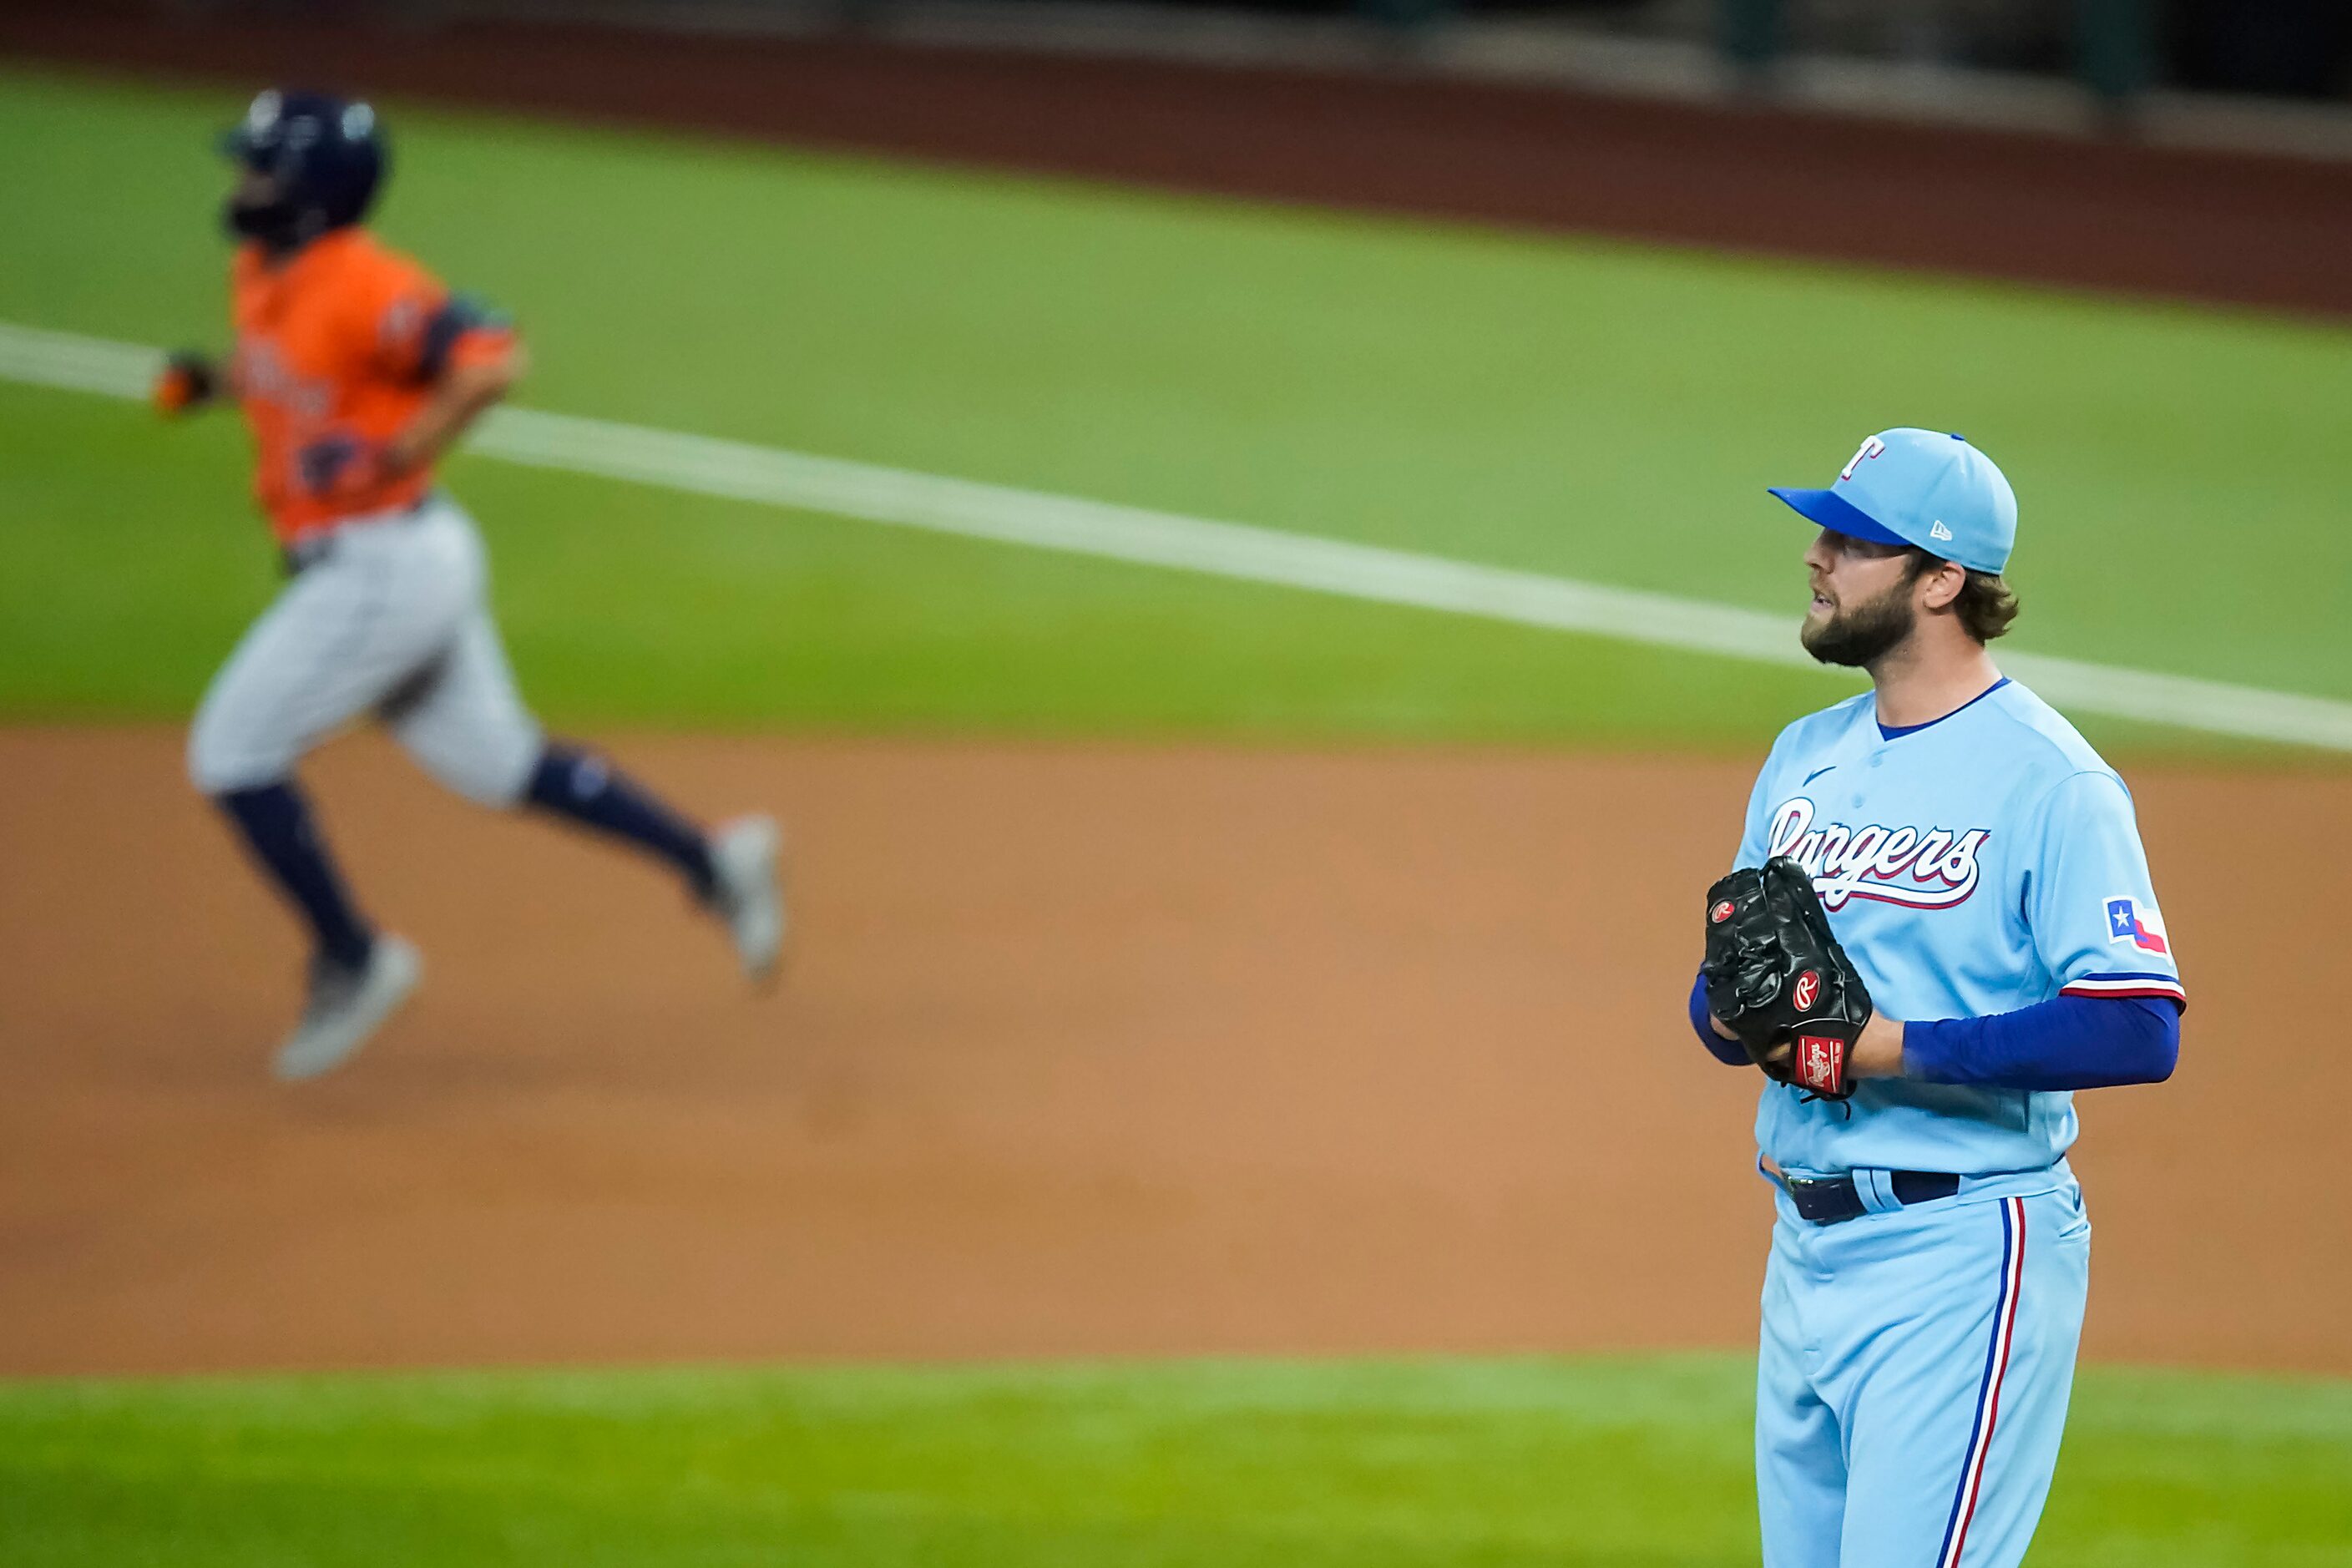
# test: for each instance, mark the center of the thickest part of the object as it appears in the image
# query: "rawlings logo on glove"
(1777, 978)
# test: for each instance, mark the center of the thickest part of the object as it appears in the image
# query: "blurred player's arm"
(465, 355)
(471, 358)
(189, 380)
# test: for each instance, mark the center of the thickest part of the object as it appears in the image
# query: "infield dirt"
(1083, 1050)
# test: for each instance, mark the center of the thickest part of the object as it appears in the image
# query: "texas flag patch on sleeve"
(2130, 920)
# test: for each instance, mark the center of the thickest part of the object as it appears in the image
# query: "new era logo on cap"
(1940, 530)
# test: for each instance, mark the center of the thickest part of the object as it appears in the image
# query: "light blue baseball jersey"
(1975, 865)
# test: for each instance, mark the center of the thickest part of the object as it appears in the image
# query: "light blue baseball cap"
(1924, 488)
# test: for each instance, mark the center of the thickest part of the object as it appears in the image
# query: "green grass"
(1223, 1463)
(745, 616)
(1593, 409)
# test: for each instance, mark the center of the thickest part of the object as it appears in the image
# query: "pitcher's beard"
(1860, 635)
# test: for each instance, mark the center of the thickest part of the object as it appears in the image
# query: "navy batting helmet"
(325, 156)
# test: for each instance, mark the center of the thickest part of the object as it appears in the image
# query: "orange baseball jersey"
(337, 348)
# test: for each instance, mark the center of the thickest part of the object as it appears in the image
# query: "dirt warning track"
(1084, 1050)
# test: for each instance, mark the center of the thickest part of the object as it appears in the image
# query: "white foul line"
(738, 470)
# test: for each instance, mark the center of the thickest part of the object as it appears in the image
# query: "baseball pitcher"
(1939, 927)
(356, 371)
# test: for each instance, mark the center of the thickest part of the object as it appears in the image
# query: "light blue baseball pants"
(1912, 1379)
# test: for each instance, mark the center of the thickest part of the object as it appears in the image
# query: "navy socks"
(589, 791)
(276, 823)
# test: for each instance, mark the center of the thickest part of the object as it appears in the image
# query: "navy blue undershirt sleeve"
(2067, 1042)
(1732, 1053)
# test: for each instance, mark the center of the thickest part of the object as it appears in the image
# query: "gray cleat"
(346, 1007)
(745, 893)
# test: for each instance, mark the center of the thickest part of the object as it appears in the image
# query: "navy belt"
(1831, 1200)
(309, 551)
(304, 553)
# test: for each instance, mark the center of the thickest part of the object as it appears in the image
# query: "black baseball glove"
(1778, 978)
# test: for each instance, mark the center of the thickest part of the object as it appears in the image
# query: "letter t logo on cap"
(1863, 454)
